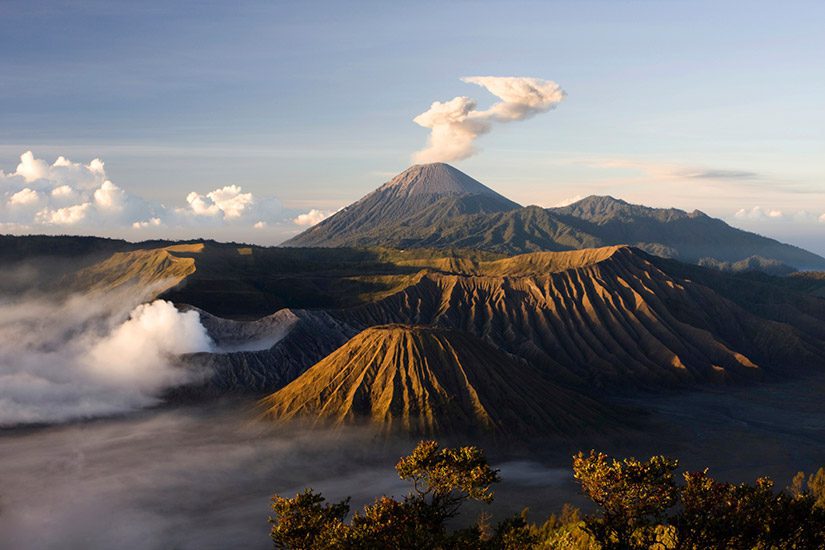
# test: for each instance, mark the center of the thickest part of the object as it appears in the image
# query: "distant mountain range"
(436, 205)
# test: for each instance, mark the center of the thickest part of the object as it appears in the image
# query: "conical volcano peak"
(436, 178)
(429, 380)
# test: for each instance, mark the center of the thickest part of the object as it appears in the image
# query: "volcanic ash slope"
(426, 380)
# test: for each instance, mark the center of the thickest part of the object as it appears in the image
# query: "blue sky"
(309, 105)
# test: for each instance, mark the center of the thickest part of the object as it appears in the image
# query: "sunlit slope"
(428, 380)
(157, 269)
(607, 317)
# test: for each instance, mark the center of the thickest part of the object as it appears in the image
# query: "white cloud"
(758, 213)
(110, 197)
(30, 168)
(80, 196)
(24, 197)
(136, 353)
(153, 222)
(69, 215)
(229, 202)
(312, 217)
(63, 191)
(61, 161)
(96, 167)
(454, 125)
(822, 218)
(260, 225)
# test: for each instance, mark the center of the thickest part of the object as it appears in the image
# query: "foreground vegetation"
(638, 505)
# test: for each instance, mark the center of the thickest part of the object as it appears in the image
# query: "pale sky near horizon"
(213, 117)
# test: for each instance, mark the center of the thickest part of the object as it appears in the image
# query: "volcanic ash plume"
(454, 125)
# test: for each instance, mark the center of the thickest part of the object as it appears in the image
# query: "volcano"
(427, 380)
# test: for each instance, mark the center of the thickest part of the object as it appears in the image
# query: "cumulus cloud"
(153, 222)
(30, 168)
(312, 217)
(63, 192)
(24, 196)
(229, 202)
(110, 197)
(456, 124)
(69, 215)
(759, 213)
(83, 358)
(77, 197)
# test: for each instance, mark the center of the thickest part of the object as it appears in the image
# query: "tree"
(305, 521)
(814, 486)
(640, 505)
(446, 478)
(724, 515)
(633, 496)
(443, 480)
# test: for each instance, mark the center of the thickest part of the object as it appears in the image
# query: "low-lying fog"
(201, 476)
(194, 478)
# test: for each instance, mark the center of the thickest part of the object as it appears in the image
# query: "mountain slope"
(158, 269)
(613, 318)
(438, 206)
(418, 197)
(301, 338)
(670, 232)
(425, 380)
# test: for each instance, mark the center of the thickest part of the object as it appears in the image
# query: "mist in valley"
(198, 477)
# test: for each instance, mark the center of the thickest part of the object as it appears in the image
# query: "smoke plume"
(454, 125)
(88, 357)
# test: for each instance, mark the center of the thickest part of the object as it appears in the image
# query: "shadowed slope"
(297, 339)
(427, 380)
(670, 232)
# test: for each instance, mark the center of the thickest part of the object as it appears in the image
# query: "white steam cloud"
(88, 357)
(454, 125)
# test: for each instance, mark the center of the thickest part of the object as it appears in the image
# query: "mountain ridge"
(462, 213)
